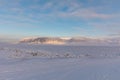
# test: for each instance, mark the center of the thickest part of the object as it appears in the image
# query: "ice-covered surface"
(53, 62)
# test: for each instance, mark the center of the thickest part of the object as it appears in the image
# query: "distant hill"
(71, 40)
(44, 40)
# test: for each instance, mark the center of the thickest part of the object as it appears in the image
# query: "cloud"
(20, 19)
(114, 35)
(107, 27)
(59, 9)
(110, 26)
(34, 11)
(85, 14)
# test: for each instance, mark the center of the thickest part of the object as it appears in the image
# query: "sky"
(58, 18)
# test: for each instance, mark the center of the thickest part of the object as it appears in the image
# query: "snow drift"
(59, 62)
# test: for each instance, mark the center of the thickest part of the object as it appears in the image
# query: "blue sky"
(91, 18)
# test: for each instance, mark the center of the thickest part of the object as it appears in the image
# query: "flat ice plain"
(59, 62)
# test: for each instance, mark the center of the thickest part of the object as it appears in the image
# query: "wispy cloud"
(60, 9)
(101, 15)
(85, 14)
(109, 26)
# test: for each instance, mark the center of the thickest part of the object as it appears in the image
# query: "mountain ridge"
(70, 40)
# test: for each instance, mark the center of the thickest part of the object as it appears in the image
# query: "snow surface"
(59, 62)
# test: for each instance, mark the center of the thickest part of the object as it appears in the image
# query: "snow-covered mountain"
(71, 40)
(44, 40)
